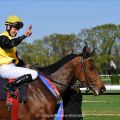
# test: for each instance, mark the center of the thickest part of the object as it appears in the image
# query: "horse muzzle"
(102, 90)
(97, 92)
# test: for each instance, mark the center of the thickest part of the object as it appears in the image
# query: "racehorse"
(65, 72)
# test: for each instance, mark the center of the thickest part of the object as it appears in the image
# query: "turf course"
(105, 107)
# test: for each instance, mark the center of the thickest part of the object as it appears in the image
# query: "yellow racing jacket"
(8, 48)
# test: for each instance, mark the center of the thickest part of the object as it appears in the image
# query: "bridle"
(83, 67)
(78, 85)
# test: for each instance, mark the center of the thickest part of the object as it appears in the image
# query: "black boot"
(22, 97)
(11, 87)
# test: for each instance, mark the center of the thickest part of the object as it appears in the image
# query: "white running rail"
(108, 87)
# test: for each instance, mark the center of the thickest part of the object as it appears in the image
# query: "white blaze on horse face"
(96, 91)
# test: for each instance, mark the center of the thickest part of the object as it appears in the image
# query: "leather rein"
(77, 85)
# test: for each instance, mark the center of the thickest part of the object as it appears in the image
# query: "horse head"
(75, 67)
(86, 72)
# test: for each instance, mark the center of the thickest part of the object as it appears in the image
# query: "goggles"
(17, 25)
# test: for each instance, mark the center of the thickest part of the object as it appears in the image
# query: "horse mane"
(55, 66)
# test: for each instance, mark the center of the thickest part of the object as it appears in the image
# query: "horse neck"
(64, 76)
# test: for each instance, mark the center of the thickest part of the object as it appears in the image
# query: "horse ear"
(86, 52)
(86, 49)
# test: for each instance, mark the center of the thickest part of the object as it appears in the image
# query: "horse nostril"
(102, 90)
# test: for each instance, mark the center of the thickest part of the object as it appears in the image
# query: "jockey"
(11, 67)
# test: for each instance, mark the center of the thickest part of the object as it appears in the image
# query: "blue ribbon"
(48, 86)
(59, 115)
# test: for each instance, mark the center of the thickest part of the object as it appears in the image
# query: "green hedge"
(115, 79)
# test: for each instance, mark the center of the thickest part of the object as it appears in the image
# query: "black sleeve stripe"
(6, 43)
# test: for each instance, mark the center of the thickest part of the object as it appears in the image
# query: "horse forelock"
(55, 66)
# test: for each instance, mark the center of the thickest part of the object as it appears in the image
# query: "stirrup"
(12, 94)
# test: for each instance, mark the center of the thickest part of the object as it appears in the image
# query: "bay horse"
(68, 70)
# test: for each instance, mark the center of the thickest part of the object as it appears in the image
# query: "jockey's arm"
(21, 63)
(6, 43)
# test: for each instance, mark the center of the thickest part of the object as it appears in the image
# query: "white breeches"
(11, 71)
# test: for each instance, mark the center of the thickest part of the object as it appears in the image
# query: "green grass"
(102, 118)
(101, 107)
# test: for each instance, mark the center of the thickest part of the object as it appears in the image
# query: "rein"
(78, 85)
(69, 85)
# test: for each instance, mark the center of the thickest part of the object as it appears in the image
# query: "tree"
(102, 39)
(60, 45)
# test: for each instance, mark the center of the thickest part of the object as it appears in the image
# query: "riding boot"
(11, 87)
(22, 97)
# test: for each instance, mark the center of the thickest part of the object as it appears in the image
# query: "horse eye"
(91, 68)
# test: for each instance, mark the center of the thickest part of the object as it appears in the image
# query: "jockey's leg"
(22, 75)
(10, 71)
(11, 87)
(23, 93)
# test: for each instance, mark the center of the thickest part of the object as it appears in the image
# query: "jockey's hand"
(28, 66)
(28, 31)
